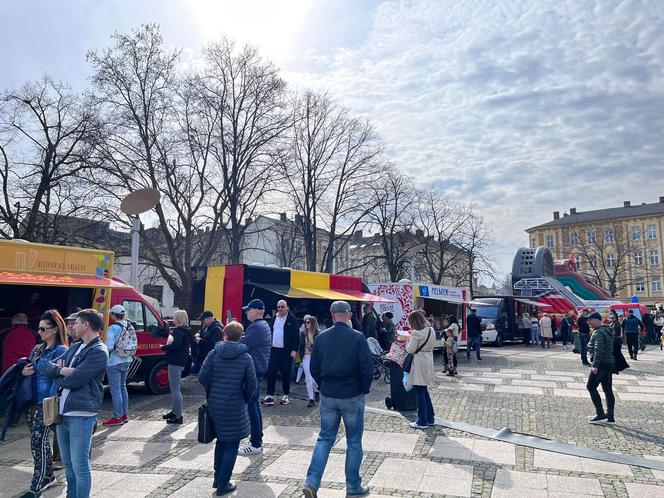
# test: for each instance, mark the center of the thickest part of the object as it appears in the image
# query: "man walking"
(632, 328)
(341, 366)
(474, 326)
(79, 374)
(285, 343)
(257, 338)
(601, 353)
(209, 336)
(584, 335)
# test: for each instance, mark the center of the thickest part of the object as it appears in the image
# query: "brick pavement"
(533, 391)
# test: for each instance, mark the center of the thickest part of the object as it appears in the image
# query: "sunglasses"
(279, 307)
(44, 329)
(307, 321)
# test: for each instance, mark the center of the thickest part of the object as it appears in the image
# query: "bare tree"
(45, 132)
(476, 243)
(443, 224)
(244, 100)
(155, 136)
(607, 248)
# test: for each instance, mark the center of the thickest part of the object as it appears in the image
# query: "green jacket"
(600, 348)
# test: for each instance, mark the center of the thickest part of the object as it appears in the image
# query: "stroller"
(380, 364)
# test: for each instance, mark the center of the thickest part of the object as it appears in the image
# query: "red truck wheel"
(157, 381)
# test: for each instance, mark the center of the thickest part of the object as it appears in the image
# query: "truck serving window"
(490, 312)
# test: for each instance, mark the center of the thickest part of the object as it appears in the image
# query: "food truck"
(437, 301)
(38, 277)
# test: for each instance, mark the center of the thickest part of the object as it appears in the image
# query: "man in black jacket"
(285, 343)
(584, 335)
(342, 367)
(603, 361)
(474, 326)
(209, 336)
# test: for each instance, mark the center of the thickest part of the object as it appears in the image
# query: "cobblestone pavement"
(532, 391)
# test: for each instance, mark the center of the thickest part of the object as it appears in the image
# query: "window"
(636, 233)
(654, 257)
(549, 241)
(134, 313)
(640, 285)
(608, 236)
(638, 258)
(578, 262)
(592, 260)
(574, 239)
(532, 243)
(610, 260)
(656, 284)
(155, 291)
(150, 318)
(652, 232)
(592, 236)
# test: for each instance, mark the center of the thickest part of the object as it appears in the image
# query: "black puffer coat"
(229, 378)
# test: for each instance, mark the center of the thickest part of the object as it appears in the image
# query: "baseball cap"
(118, 309)
(206, 314)
(254, 304)
(72, 317)
(595, 315)
(340, 307)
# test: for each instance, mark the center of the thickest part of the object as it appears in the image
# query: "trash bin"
(577, 342)
(399, 399)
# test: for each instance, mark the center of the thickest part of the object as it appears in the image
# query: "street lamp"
(137, 202)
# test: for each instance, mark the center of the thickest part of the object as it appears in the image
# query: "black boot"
(168, 415)
(174, 420)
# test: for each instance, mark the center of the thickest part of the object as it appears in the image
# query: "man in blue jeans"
(474, 327)
(117, 368)
(258, 339)
(79, 377)
(341, 366)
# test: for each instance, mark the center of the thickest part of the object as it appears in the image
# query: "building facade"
(621, 248)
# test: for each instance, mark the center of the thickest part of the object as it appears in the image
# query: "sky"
(520, 108)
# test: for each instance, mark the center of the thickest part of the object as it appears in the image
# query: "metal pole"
(135, 228)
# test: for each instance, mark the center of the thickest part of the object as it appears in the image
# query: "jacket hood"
(230, 350)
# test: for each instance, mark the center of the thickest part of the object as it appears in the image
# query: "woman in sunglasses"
(307, 339)
(53, 333)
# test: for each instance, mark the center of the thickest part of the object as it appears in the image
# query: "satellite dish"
(140, 201)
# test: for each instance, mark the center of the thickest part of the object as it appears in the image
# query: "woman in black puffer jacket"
(177, 356)
(229, 378)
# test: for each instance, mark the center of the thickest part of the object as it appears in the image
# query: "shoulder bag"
(206, 432)
(408, 362)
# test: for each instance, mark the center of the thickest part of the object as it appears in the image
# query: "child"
(229, 378)
(450, 353)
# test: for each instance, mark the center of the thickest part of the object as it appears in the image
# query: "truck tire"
(499, 340)
(157, 381)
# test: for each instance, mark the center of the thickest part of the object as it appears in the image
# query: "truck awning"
(531, 303)
(327, 294)
(56, 280)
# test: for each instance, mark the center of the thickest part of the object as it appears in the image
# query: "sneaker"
(317, 396)
(125, 418)
(113, 421)
(309, 492)
(51, 482)
(311, 404)
(168, 415)
(30, 493)
(230, 487)
(284, 400)
(249, 450)
(268, 401)
(363, 491)
(174, 420)
(415, 425)
(610, 420)
(598, 419)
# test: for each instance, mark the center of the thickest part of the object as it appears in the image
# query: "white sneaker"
(249, 450)
(415, 425)
(284, 400)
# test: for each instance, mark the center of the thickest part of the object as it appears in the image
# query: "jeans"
(534, 338)
(604, 376)
(332, 410)
(280, 361)
(75, 439)
(425, 414)
(476, 341)
(632, 344)
(117, 381)
(256, 417)
(225, 454)
(174, 381)
(308, 379)
(583, 339)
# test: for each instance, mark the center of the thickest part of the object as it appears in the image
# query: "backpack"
(127, 343)
(455, 346)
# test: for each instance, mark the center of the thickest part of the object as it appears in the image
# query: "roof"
(601, 215)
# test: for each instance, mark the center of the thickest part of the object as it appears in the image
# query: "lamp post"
(137, 202)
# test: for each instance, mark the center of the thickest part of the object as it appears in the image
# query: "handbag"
(408, 362)
(51, 408)
(206, 432)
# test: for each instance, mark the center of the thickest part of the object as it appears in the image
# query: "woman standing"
(421, 373)
(620, 363)
(546, 330)
(52, 331)
(307, 339)
(177, 356)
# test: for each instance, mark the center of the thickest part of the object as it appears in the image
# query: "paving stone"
(648, 389)
(516, 483)
(567, 374)
(480, 380)
(473, 449)
(339, 493)
(201, 456)
(554, 378)
(290, 435)
(637, 490)
(462, 387)
(503, 375)
(132, 453)
(15, 478)
(427, 477)
(294, 464)
(533, 383)
(112, 484)
(385, 442)
(575, 393)
(648, 398)
(552, 460)
(202, 486)
(16, 450)
(150, 429)
(659, 474)
(519, 390)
